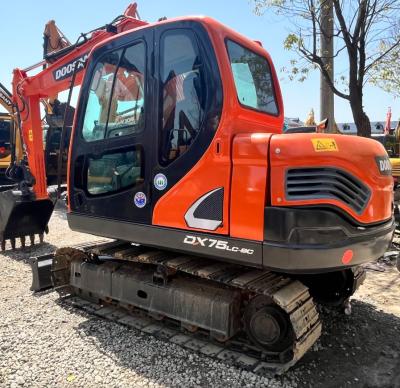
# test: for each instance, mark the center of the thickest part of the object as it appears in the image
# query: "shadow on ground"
(24, 254)
(361, 350)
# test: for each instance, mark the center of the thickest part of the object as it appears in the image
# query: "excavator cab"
(128, 134)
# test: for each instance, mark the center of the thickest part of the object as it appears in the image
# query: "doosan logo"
(67, 70)
(384, 165)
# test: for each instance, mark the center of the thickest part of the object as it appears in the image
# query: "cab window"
(115, 105)
(115, 171)
(182, 93)
(253, 79)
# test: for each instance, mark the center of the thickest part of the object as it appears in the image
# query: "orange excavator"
(222, 223)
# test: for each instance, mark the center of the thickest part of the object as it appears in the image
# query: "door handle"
(218, 147)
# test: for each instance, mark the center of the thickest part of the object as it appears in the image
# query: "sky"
(21, 41)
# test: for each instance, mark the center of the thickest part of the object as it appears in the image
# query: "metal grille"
(326, 183)
(211, 207)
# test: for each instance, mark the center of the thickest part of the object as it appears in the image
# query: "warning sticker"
(324, 145)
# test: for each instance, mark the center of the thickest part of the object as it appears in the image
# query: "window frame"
(93, 65)
(278, 113)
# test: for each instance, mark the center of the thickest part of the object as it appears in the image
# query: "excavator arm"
(26, 208)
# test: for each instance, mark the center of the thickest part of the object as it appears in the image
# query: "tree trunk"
(327, 97)
(361, 119)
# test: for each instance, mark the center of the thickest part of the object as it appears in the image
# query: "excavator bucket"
(21, 216)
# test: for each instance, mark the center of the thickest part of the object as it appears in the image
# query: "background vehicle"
(5, 146)
(177, 146)
(6, 127)
(391, 144)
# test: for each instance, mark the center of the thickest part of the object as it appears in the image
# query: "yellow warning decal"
(30, 135)
(324, 145)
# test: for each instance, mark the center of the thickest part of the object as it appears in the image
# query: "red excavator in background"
(26, 206)
(222, 223)
(10, 141)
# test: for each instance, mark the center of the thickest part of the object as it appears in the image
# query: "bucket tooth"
(32, 238)
(41, 237)
(22, 238)
(12, 240)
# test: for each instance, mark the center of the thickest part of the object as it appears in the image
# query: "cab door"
(112, 147)
(192, 171)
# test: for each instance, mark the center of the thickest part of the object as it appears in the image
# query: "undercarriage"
(269, 318)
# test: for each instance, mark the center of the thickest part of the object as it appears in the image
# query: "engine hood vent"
(326, 183)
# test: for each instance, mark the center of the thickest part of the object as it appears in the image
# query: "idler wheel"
(267, 325)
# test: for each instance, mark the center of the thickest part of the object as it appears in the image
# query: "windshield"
(116, 98)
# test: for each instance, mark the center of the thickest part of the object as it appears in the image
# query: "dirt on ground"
(360, 350)
(363, 349)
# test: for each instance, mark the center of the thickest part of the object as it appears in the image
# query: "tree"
(364, 32)
(386, 73)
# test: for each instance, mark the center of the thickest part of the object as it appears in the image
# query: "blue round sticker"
(160, 182)
(140, 199)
